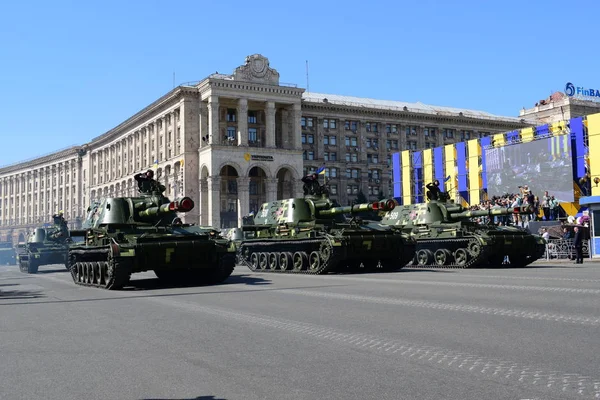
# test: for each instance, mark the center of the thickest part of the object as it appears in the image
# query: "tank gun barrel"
(492, 212)
(185, 204)
(384, 205)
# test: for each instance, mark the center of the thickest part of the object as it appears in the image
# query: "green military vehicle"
(45, 246)
(447, 237)
(125, 235)
(312, 235)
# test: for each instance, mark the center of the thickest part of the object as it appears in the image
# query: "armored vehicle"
(448, 238)
(312, 235)
(125, 235)
(7, 253)
(45, 246)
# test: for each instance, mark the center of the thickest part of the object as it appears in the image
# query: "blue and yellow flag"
(155, 164)
(321, 170)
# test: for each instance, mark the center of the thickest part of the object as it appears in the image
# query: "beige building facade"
(232, 142)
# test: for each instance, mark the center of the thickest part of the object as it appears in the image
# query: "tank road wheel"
(263, 262)
(272, 258)
(217, 275)
(254, 261)
(461, 256)
(442, 257)
(285, 261)
(84, 275)
(325, 251)
(424, 257)
(23, 266)
(116, 276)
(300, 260)
(314, 261)
(474, 248)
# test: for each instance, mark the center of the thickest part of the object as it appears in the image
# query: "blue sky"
(72, 70)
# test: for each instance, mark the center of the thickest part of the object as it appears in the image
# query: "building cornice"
(143, 115)
(416, 116)
(61, 155)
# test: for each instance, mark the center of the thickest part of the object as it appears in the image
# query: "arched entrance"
(257, 189)
(229, 197)
(21, 238)
(285, 184)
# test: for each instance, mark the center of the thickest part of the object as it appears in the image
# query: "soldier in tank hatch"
(434, 191)
(147, 184)
(311, 184)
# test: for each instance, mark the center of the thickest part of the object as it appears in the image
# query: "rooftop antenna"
(307, 87)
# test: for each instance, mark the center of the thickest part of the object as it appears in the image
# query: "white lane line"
(536, 315)
(451, 284)
(493, 368)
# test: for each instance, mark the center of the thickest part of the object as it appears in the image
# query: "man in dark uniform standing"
(147, 184)
(578, 243)
(311, 184)
(434, 190)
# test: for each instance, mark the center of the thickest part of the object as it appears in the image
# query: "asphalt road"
(416, 334)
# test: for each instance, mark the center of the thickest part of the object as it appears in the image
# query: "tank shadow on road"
(195, 398)
(19, 294)
(157, 284)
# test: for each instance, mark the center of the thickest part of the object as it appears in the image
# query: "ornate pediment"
(256, 69)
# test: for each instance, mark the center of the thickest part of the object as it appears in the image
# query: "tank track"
(476, 256)
(96, 269)
(305, 256)
(467, 253)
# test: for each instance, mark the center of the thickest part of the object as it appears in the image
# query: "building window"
(231, 133)
(310, 122)
(252, 135)
(230, 115)
(332, 124)
(372, 158)
(429, 144)
(311, 155)
(412, 145)
(303, 122)
(374, 127)
(448, 133)
(330, 156)
(465, 135)
(311, 139)
(251, 117)
(333, 189)
(351, 141)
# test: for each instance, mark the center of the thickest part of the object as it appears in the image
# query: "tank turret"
(313, 235)
(125, 235)
(448, 236)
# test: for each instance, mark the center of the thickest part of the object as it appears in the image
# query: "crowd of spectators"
(546, 209)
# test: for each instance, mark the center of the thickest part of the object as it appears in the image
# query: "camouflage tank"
(311, 235)
(447, 238)
(7, 253)
(45, 246)
(125, 235)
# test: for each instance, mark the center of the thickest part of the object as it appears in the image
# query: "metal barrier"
(564, 249)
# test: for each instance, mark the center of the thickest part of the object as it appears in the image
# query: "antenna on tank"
(307, 87)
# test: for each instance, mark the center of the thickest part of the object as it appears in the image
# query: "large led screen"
(543, 164)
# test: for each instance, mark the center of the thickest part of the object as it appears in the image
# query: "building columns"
(243, 188)
(270, 122)
(242, 114)
(213, 120)
(271, 189)
(214, 201)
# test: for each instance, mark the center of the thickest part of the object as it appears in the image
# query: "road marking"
(492, 368)
(536, 315)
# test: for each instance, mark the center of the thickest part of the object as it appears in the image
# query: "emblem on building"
(256, 69)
